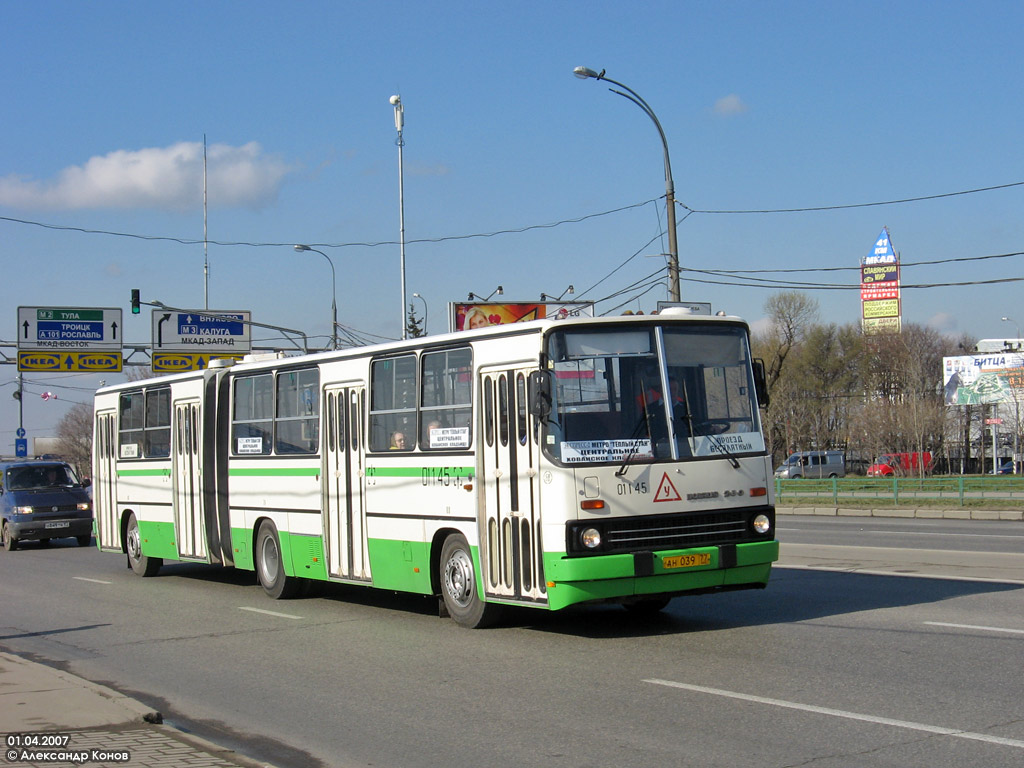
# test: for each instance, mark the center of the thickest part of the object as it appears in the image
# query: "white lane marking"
(975, 626)
(876, 572)
(93, 581)
(847, 715)
(884, 532)
(269, 613)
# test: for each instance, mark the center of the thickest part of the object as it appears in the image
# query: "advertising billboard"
(983, 378)
(880, 287)
(467, 316)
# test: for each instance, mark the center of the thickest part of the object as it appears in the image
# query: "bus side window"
(489, 411)
(503, 408)
(522, 422)
(393, 404)
(158, 423)
(297, 422)
(252, 417)
(131, 429)
(446, 399)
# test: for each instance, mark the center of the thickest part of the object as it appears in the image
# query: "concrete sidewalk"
(103, 727)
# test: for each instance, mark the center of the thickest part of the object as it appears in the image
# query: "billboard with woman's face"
(469, 316)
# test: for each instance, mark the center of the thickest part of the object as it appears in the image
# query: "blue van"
(43, 500)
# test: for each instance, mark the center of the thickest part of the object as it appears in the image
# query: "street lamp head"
(499, 291)
(301, 248)
(583, 73)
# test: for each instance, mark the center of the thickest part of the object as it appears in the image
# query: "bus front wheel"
(458, 586)
(138, 562)
(270, 565)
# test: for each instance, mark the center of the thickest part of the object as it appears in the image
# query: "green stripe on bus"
(274, 471)
(144, 472)
(418, 471)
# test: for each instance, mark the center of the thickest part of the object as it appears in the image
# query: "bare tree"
(74, 431)
(791, 312)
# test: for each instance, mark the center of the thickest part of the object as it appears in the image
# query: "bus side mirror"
(760, 383)
(540, 394)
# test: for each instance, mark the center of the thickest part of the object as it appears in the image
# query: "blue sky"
(766, 106)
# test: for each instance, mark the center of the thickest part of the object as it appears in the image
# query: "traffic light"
(135, 301)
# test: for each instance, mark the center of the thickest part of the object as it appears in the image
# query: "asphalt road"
(827, 667)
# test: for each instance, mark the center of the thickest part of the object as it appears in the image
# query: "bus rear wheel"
(138, 562)
(458, 586)
(270, 565)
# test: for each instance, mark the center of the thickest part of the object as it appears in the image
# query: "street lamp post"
(396, 102)
(670, 192)
(417, 296)
(334, 291)
(1011, 320)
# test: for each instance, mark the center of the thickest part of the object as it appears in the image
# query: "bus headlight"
(23, 510)
(83, 506)
(590, 538)
(762, 524)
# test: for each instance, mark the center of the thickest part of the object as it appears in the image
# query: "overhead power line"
(858, 205)
(512, 230)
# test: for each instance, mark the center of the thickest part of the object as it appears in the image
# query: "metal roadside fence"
(964, 490)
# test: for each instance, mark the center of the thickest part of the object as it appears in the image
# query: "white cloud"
(944, 323)
(730, 105)
(156, 178)
(762, 327)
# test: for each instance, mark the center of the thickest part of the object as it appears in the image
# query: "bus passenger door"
(187, 476)
(104, 482)
(344, 514)
(510, 554)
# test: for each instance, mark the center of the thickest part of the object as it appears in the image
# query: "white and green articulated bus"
(542, 464)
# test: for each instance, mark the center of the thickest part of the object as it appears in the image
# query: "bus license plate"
(686, 561)
(58, 525)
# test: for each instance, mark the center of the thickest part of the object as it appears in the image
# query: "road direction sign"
(201, 331)
(69, 328)
(69, 362)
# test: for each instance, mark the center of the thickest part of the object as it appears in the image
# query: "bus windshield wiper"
(634, 440)
(725, 449)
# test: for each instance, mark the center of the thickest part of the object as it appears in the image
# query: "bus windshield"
(651, 393)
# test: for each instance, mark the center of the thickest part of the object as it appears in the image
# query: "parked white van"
(813, 464)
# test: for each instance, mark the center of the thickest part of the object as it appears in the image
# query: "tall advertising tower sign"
(880, 287)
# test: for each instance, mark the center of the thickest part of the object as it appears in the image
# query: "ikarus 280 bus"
(542, 464)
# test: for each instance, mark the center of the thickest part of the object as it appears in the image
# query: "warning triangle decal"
(667, 491)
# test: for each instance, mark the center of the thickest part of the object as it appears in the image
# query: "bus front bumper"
(602, 578)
